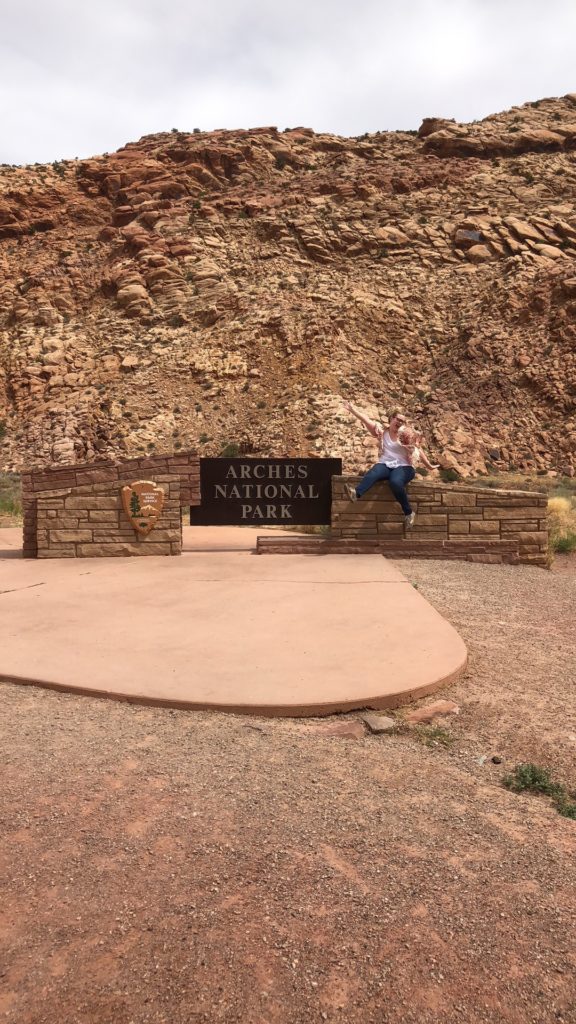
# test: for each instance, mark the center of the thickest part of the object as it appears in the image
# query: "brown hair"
(396, 412)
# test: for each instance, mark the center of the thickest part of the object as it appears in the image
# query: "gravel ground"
(174, 867)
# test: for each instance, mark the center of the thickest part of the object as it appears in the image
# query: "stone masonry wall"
(479, 524)
(37, 483)
(90, 522)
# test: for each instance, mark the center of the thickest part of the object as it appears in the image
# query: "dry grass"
(562, 524)
(552, 485)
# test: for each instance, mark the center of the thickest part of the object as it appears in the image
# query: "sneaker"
(409, 520)
(351, 492)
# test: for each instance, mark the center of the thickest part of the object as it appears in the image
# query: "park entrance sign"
(252, 492)
(105, 509)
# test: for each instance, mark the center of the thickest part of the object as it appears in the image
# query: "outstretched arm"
(426, 462)
(370, 425)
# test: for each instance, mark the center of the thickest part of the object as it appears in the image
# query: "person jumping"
(395, 462)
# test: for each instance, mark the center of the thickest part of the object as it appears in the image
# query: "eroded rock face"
(206, 289)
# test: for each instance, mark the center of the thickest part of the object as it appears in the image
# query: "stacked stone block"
(469, 522)
(90, 522)
(41, 484)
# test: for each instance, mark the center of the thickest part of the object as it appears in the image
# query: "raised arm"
(370, 425)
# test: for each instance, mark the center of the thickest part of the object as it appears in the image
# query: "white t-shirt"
(392, 453)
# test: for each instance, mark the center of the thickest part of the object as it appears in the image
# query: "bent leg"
(378, 472)
(399, 478)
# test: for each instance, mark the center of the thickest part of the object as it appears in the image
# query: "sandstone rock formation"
(199, 290)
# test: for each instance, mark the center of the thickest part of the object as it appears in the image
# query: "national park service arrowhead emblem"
(143, 502)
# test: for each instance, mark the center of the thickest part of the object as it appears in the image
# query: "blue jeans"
(397, 478)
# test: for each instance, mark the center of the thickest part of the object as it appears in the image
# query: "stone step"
(496, 551)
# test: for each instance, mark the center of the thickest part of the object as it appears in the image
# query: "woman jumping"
(396, 459)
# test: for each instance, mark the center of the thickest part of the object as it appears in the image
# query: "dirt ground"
(173, 867)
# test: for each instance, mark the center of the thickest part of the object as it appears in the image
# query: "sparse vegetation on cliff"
(265, 274)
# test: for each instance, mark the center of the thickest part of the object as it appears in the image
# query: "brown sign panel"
(143, 502)
(254, 492)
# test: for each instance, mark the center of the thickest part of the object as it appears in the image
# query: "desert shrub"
(10, 495)
(230, 451)
(562, 524)
(449, 476)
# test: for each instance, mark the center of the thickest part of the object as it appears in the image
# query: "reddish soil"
(172, 867)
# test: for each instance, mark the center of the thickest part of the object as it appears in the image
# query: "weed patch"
(429, 735)
(530, 778)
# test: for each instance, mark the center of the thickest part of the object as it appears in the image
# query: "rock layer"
(202, 290)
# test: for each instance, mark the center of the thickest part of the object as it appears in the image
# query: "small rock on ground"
(353, 730)
(436, 710)
(378, 723)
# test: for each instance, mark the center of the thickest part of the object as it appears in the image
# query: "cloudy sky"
(81, 78)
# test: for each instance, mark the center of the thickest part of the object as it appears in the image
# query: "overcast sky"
(79, 78)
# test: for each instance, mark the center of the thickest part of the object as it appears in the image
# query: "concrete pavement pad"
(223, 628)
